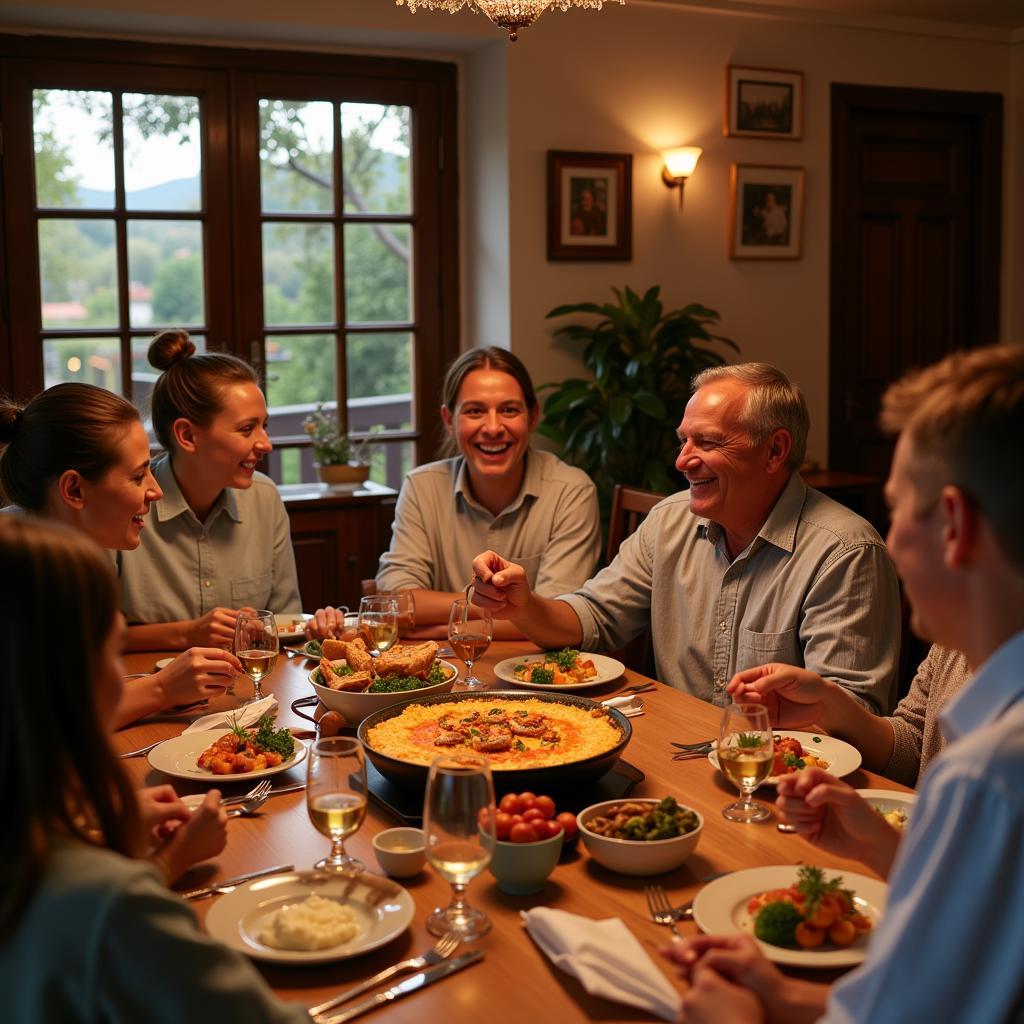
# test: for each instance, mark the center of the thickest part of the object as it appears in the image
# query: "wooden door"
(916, 202)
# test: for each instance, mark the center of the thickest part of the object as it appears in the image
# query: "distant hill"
(179, 194)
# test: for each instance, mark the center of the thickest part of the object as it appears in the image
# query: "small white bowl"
(887, 800)
(356, 706)
(400, 851)
(636, 856)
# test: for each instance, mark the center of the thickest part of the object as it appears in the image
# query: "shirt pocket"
(252, 590)
(758, 648)
(531, 564)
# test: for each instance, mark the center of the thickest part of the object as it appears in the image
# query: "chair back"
(630, 506)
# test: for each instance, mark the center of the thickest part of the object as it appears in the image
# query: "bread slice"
(353, 651)
(402, 660)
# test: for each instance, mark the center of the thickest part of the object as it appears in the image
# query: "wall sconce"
(679, 165)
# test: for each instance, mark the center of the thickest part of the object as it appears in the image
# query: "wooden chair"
(630, 506)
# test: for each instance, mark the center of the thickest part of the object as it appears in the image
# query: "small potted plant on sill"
(338, 459)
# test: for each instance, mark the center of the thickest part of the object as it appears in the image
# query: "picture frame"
(590, 206)
(764, 103)
(766, 212)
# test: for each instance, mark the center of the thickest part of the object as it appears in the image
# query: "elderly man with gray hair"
(747, 566)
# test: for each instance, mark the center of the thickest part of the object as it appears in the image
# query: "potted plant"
(620, 427)
(338, 459)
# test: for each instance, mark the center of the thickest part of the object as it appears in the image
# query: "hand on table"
(198, 673)
(202, 835)
(327, 624)
(499, 586)
(793, 696)
(214, 629)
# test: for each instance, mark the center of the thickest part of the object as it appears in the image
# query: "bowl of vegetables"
(640, 836)
(383, 692)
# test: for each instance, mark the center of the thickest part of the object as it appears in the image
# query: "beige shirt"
(242, 555)
(815, 588)
(552, 528)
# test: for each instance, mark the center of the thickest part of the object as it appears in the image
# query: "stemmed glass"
(469, 632)
(336, 796)
(378, 615)
(458, 828)
(746, 756)
(256, 647)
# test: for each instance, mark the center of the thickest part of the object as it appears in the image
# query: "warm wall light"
(679, 165)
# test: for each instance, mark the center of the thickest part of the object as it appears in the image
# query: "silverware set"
(662, 912)
(685, 751)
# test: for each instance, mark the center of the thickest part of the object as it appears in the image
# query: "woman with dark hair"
(89, 932)
(219, 540)
(494, 489)
(79, 454)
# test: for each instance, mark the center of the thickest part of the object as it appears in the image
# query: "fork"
(661, 910)
(249, 806)
(702, 745)
(142, 751)
(439, 952)
(261, 789)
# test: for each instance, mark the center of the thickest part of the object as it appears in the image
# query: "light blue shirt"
(951, 944)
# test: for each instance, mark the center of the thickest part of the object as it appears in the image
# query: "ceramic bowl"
(400, 851)
(523, 868)
(634, 856)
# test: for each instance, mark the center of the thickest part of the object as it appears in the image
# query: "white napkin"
(631, 707)
(246, 715)
(606, 958)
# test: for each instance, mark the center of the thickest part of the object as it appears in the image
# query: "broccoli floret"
(565, 658)
(542, 675)
(635, 828)
(776, 923)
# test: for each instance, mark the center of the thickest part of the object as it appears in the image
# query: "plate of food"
(292, 627)
(563, 670)
(891, 805)
(796, 750)
(229, 754)
(309, 917)
(802, 916)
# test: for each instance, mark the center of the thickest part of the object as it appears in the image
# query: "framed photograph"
(766, 212)
(763, 103)
(590, 206)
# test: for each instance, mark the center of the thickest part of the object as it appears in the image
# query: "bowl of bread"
(352, 682)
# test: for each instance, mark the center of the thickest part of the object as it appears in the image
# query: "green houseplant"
(338, 458)
(620, 427)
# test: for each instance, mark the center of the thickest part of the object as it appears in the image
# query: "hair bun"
(168, 347)
(10, 418)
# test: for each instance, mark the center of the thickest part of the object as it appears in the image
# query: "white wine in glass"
(336, 796)
(458, 827)
(746, 755)
(378, 616)
(256, 647)
(469, 632)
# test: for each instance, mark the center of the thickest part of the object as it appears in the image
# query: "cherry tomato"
(516, 818)
(522, 832)
(568, 823)
(502, 825)
(551, 828)
(527, 795)
(534, 814)
(527, 802)
(510, 804)
(547, 805)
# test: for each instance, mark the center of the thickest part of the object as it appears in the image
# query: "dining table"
(514, 981)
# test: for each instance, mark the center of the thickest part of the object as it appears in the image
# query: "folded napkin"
(245, 716)
(605, 957)
(631, 707)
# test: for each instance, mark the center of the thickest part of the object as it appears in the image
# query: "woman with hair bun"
(79, 454)
(219, 540)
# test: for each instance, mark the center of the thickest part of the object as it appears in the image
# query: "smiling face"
(112, 510)
(491, 424)
(229, 447)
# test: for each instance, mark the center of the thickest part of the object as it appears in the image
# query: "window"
(296, 210)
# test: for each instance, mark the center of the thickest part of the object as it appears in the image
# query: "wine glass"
(469, 632)
(458, 829)
(256, 647)
(336, 796)
(746, 756)
(378, 615)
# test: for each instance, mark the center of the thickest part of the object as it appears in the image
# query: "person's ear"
(961, 526)
(184, 433)
(71, 489)
(448, 420)
(780, 444)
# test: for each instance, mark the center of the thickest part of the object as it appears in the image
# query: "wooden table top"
(515, 981)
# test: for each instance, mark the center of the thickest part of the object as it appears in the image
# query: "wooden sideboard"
(338, 536)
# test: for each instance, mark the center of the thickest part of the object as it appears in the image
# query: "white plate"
(238, 917)
(886, 800)
(607, 670)
(721, 908)
(286, 626)
(842, 758)
(178, 757)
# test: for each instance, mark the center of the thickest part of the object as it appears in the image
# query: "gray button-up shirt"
(552, 528)
(242, 555)
(814, 588)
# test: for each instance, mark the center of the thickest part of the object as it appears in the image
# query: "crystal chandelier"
(508, 14)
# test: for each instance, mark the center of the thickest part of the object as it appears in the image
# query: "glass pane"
(296, 156)
(165, 273)
(301, 371)
(162, 152)
(378, 284)
(390, 462)
(78, 273)
(375, 158)
(379, 381)
(74, 149)
(86, 360)
(143, 375)
(298, 274)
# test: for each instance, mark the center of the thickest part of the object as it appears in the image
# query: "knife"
(229, 883)
(404, 988)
